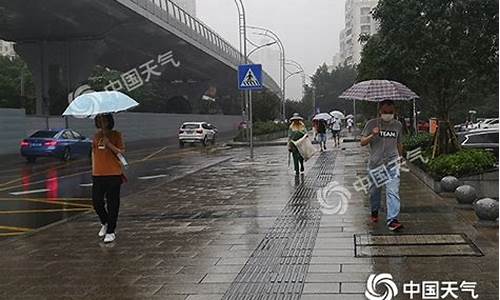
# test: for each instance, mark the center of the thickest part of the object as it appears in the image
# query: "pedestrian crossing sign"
(250, 77)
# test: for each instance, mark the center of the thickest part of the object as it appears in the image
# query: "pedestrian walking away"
(383, 135)
(322, 134)
(107, 174)
(350, 124)
(336, 131)
(296, 131)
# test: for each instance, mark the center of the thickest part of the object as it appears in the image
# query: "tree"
(446, 51)
(266, 106)
(16, 85)
(329, 85)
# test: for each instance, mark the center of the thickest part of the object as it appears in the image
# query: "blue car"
(60, 143)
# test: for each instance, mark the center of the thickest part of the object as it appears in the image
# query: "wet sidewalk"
(241, 230)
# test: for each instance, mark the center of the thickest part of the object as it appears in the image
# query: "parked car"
(489, 123)
(197, 132)
(65, 144)
(486, 139)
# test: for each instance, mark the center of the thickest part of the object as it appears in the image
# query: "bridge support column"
(58, 67)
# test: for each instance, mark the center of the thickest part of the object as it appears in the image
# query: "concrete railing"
(177, 17)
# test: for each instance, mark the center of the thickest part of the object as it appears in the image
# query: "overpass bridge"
(63, 40)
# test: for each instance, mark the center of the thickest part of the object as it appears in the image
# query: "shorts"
(322, 137)
(335, 133)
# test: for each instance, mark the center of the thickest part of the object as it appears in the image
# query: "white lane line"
(152, 177)
(29, 192)
(86, 184)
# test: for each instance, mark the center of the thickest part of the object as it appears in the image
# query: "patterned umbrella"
(378, 91)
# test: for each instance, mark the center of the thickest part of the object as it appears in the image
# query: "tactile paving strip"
(278, 266)
(439, 244)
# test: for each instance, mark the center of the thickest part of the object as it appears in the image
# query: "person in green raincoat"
(296, 131)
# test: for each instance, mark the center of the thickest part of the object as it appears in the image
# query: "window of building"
(365, 19)
(365, 11)
(366, 29)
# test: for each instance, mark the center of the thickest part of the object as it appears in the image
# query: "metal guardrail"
(174, 15)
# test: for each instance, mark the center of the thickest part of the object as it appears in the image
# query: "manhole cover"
(452, 244)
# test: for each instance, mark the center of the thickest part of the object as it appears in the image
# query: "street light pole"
(275, 37)
(243, 49)
(260, 47)
(299, 66)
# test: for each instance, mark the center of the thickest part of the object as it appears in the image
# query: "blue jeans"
(393, 201)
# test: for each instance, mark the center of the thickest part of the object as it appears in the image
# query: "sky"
(309, 29)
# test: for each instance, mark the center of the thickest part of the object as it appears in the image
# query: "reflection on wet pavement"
(35, 195)
(198, 237)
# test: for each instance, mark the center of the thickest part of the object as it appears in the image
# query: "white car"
(197, 132)
(489, 124)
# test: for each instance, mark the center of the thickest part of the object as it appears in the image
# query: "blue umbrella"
(96, 103)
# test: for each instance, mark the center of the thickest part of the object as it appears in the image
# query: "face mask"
(387, 117)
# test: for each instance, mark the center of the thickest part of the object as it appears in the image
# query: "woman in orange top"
(107, 174)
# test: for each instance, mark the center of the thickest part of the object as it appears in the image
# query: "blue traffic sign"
(250, 77)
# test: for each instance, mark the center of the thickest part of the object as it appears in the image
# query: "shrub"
(462, 163)
(422, 140)
(262, 128)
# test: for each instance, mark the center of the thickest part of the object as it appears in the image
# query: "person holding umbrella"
(336, 131)
(107, 174)
(296, 131)
(384, 136)
(107, 153)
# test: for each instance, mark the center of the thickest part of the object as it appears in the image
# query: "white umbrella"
(96, 103)
(322, 116)
(349, 117)
(337, 114)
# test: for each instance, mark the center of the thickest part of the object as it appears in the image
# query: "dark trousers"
(297, 158)
(109, 187)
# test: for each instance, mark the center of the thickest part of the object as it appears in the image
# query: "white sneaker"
(109, 237)
(103, 230)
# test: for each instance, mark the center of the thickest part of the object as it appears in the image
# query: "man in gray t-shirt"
(383, 135)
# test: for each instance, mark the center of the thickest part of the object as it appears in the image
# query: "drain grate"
(278, 266)
(439, 244)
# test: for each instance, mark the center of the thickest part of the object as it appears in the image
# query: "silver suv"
(197, 132)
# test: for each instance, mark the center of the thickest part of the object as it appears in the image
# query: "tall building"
(358, 21)
(7, 49)
(188, 5)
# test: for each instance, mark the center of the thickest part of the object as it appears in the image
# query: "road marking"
(35, 211)
(10, 234)
(29, 192)
(86, 184)
(48, 201)
(152, 177)
(154, 153)
(2, 189)
(23, 229)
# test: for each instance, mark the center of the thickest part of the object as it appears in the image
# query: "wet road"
(41, 193)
